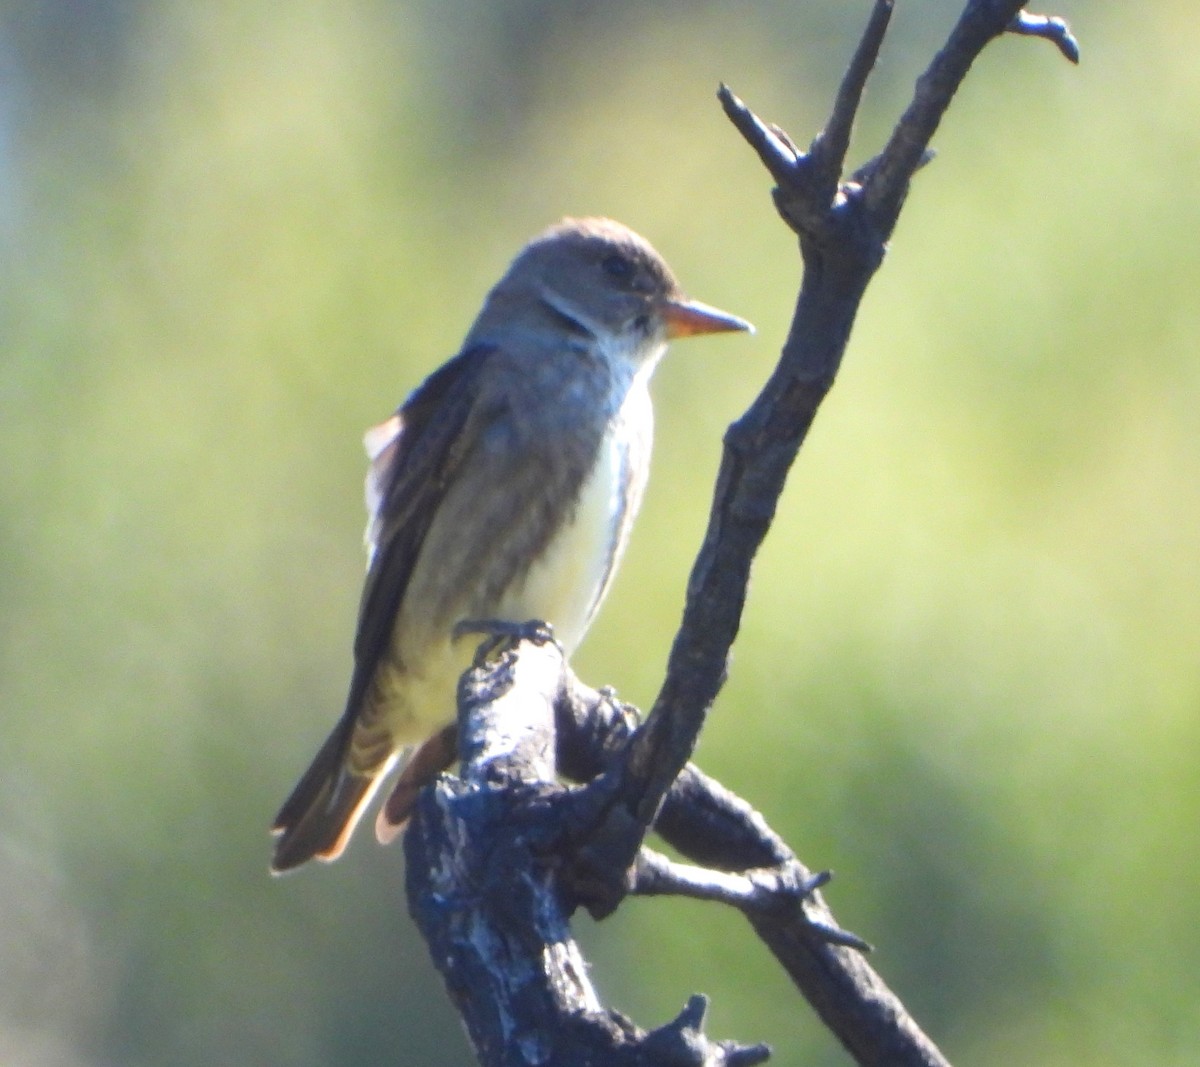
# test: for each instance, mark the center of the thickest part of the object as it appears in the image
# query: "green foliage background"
(233, 235)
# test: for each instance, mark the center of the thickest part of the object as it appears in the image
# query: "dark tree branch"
(981, 23)
(830, 146)
(483, 857)
(843, 234)
(498, 858)
(779, 896)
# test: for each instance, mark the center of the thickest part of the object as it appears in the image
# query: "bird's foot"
(501, 634)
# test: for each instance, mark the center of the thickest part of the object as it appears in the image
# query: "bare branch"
(843, 239)
(776, 893)
(484, 854)
(758, 891)
(776, 150)
(981, 22)
(829, 147)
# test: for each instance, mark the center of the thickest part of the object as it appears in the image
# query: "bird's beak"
(689, 318)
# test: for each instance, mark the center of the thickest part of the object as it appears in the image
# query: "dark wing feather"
(432, 419)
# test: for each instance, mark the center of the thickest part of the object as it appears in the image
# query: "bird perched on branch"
(504, 490)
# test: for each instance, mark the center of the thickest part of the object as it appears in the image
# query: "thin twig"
(829, 147)
(1050, 28)
(777, 153)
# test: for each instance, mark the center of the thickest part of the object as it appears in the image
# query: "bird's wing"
(414, 456)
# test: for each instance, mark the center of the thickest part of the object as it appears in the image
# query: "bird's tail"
(422, 765)
(318, 818)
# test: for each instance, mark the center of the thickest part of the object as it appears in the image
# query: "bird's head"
(600, 280)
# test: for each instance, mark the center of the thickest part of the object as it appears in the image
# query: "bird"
(503, 489)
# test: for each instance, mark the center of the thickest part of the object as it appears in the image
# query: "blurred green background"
(234, 235)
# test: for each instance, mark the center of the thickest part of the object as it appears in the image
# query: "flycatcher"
(503, 489)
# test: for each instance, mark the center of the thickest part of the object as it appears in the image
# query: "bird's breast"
(567, 582)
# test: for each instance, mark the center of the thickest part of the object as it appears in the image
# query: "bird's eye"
(617, 266)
